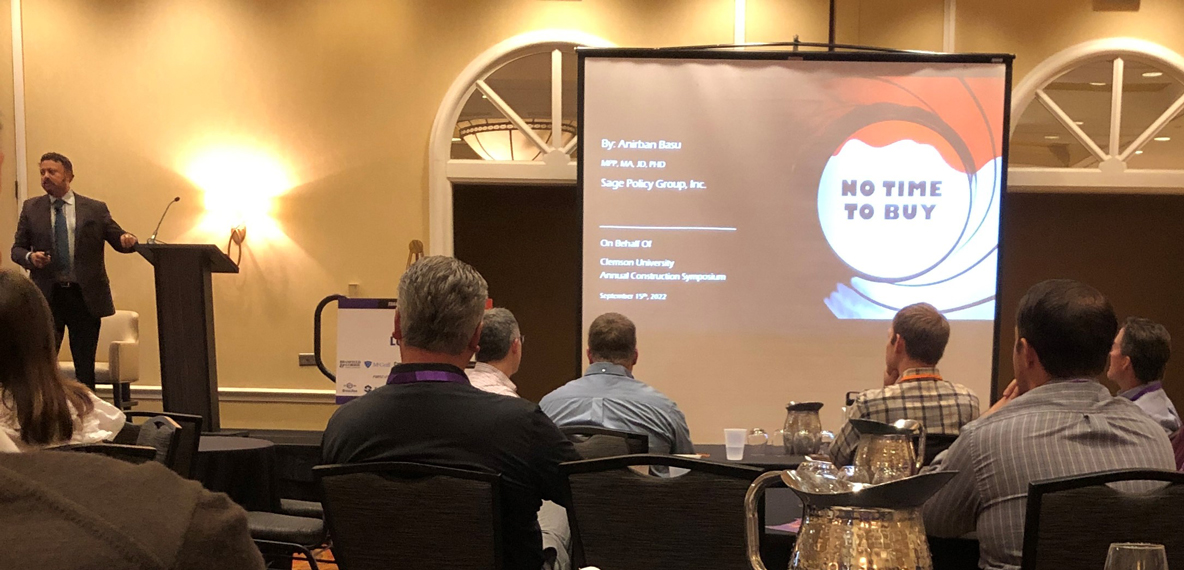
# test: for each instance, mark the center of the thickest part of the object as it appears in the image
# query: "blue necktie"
(61, 237)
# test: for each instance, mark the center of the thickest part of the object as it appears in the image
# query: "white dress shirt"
(1152, 399)
(71, 222)
(487, 377)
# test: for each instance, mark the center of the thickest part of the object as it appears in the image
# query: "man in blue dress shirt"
(609, 396)
(1137, 361)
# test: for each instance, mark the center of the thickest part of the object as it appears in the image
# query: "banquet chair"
(408, 515)
(625, 520)
(117, 360)
(163, 435)
(935, 444)
(183, 457)
(593, 442)
(1071, 521)
(1178, 448)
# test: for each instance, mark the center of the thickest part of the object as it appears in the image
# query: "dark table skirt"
(244, 468)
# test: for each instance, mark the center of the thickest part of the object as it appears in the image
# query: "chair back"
(1178, 447)
(123, 326)
(392, 514)
(596, 442)
(184, 456)
(1071, 521)
(163, 435)
(936, 443)
(625, 520)
(130, 453)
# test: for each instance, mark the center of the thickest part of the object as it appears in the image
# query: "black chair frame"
(1037, 489)
(272, 549)
(414, 470)
(183, 458)
(135, 454)
(648, 459)
(634, 440)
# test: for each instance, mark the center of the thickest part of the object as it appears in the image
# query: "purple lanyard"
(426, 376)
(1145, 390)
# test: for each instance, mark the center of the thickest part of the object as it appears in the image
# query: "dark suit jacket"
(92, 226)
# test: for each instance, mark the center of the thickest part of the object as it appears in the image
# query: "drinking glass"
(1136, 556)
(734, 443)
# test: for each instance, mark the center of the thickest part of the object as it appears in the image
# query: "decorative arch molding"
(1111, 174)
(443, 170)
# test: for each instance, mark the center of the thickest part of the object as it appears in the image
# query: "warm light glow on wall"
(241, 184)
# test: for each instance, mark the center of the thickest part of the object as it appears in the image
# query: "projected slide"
(769, 206)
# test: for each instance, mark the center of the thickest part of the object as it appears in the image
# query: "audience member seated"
(499, 355)
(1137, 362)
(429, 412)
(913, 387)
(38, 406)
(609, 396)
(81, 510)
(1054, 420)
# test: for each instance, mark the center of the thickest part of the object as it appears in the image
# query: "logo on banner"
(897, 205)
(349, 364)
(367, 364)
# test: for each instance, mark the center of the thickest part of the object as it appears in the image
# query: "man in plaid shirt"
(913, 387)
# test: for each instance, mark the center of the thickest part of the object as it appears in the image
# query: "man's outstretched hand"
(39, 259)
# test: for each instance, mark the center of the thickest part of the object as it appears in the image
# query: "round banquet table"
(767, 457)
(242, 467)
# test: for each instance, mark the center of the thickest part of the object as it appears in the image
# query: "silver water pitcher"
(803, 428)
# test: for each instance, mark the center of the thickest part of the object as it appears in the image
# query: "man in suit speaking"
(59, 239)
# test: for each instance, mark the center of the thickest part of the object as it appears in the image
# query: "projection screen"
(762, 216)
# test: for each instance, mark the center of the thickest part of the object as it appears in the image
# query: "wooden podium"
(185, 325)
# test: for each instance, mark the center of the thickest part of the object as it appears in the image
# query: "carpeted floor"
(321, 556)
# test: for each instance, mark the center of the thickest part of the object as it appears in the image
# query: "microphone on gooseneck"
(162, 215)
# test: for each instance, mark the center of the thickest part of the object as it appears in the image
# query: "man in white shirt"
(1137, 360)
(500, 354)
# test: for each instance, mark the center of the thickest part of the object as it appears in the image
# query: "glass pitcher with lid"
(803, 429)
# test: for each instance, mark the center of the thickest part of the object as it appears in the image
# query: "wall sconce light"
(238, 234)
(414, 252)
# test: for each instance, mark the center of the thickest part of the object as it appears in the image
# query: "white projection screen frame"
(762, 215)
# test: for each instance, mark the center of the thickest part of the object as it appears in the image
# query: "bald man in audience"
(429, 412)
(914, 388)
(608, 395)
(499, 355)
(1054, 420)
(1137, 362)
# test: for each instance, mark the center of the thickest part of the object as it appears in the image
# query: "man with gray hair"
(499, 355)
(429, 412)
(609, 396)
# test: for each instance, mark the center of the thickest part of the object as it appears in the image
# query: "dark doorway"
(1129, 247)
(525, 240)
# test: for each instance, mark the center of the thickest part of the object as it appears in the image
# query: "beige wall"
(8, 205)
(342, 95)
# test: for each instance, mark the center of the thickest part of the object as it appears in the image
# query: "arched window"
(510, 116)
(1103, 116)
